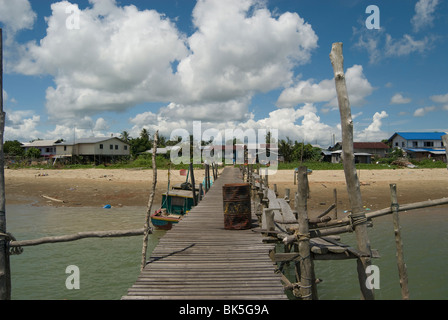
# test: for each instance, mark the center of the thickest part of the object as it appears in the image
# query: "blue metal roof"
(421, 135)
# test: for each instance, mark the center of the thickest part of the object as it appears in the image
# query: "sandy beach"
(131, 187)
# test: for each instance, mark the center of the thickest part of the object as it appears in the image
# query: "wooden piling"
(5, 272)
(147, 226)
(193, 185)
(306, 266)
(402, 270)
(353, 186)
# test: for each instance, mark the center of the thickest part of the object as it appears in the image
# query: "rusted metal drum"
(237, 206)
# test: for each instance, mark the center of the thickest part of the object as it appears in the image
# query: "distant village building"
(47, 148)
(363, 152)
(97, 149)
(420, 145)
(93, 149)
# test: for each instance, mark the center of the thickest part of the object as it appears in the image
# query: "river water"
(108, 267)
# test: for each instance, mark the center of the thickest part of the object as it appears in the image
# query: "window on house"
(428, 143)
(116, 147)
(403, 144)
(125, 147)
(65, 148)
(101, 146)
(396, 144)
(111, 147)
(415, 144)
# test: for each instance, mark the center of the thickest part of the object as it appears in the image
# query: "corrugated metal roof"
(40, 143)
(420, 135)
(430, 150)
(87, 140)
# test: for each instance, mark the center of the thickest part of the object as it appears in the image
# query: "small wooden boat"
(175, 204)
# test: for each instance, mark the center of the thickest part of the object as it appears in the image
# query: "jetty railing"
(302, 240)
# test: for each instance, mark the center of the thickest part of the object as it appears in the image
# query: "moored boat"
(175, 204)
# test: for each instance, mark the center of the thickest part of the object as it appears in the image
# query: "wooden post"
(205, 179)
(193, 185)
(200, 192)
(335, 195)
(5, 272)
(402, 271)
(353, 187)
(306, 266)
(208, 177)
(287, 195)
(147, 226)
(445, 142)
(266, 178)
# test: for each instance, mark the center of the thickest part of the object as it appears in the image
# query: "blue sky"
(249, 64)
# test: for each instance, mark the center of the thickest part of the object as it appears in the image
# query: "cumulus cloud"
(122, 56)
(21, 125)
(240, 48)
(373, 132)
(424, 14)
(307, 91)
(15, 16)
(119, 57)
(295, 123)
(399, 99)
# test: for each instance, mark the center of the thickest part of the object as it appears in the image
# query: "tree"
(125, 136)
(285, 149)
(13, 148)
(144, 134)
(32, 153)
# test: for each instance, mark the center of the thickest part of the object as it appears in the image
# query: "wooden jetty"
(200, 259)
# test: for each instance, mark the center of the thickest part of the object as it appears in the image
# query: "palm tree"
(125, 136)
(144, 134)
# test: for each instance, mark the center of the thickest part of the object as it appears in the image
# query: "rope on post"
(12, 250)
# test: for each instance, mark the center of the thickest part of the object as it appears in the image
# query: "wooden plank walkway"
(199, 259)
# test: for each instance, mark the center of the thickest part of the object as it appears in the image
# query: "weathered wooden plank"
(199, 259)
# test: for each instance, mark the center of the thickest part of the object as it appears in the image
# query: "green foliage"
(32, 153)
(13, 148)
(297, 151)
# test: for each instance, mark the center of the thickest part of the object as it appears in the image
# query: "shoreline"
(131, 187)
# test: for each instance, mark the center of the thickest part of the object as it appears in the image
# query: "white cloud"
(358, 88)
(373, 132)
(399, 99)
(297, 124)
(121, 57)
(440, 98)
(420, 112)
(15, 16)
(110, 63)
(240, 48)
(406, 45)
(424, 14)
(21, 125)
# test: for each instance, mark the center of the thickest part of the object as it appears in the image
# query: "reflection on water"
(108, 267)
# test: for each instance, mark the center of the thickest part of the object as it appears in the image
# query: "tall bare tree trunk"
(5, 273)
(147, 227)
(353, 187)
